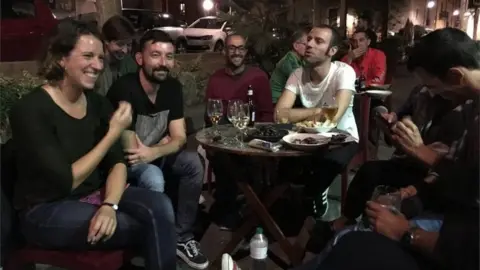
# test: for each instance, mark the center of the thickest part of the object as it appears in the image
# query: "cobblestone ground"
(213, 239)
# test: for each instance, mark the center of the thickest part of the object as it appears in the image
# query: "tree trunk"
(106, 9)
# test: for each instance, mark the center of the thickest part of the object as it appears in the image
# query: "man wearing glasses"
(291, 61)
(118, 33)
(231, 83)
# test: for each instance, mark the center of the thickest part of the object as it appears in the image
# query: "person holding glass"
(71, 188)
(326, 90)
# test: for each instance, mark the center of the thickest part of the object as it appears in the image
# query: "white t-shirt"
(340, 77)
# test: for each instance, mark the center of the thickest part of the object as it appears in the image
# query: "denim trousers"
(145, 220)
(184, 171)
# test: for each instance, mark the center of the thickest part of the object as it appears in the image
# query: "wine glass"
(240, 119)
(231, 109)
(215, 112)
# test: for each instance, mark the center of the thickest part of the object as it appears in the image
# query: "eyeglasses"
(233, 49)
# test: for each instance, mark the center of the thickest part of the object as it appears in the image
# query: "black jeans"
(368, 250)
(226, 189)
(6, 229)
(145, 219)
(325, 167)
(184, 180)
(395, 173)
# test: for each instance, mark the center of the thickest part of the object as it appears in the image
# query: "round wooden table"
(259, 208)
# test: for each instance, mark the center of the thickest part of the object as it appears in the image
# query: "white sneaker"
(228, 263)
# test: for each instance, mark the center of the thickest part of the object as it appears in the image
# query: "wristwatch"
(409, 236)
(114, 206)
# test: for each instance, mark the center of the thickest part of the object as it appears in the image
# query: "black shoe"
(226, 218)
(320, 206)
(191, 254)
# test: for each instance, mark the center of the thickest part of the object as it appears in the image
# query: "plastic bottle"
(259, 250)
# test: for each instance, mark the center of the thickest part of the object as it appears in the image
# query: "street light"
(430, 4)
(207, 5)
(456, 12)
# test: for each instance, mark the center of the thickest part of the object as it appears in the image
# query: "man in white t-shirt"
(322, 82)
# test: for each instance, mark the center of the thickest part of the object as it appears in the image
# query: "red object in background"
(25, 27)
(81, 260)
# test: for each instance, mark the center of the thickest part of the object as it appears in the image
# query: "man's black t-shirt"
(150, 121)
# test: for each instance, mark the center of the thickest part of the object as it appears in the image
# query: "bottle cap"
(259, 230)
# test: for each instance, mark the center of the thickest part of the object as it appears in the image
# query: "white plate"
(379, 93)
(349, 138)
(306, 147)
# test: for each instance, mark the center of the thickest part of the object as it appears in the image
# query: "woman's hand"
(102, 225)
(122, 118)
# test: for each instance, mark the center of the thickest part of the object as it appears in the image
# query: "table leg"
(253, 220)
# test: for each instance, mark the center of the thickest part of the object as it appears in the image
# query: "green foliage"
(257, 20)
(11, 90)
(193, 78)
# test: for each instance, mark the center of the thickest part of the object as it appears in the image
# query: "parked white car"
(207, 33)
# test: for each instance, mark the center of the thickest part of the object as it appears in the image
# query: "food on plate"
(308, 140)
(314, 124)
(266, 131)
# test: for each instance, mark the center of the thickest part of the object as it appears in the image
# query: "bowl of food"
(306, 142)
(267, 133)
(315, 127)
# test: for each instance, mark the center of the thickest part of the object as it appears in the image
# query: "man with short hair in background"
(291, 61)
(365, 24)
(118, 33)
(366, 61)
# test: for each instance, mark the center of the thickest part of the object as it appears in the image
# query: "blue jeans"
(145, 220)
(149, 176)
(183, 169)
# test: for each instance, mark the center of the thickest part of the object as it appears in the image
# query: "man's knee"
(151, 178)
(191, 164)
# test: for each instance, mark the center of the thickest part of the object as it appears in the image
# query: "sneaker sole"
(190, 263)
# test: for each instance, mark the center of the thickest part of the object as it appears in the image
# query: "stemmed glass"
(215, 112)
(240, 116)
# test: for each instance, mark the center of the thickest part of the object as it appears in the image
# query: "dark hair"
(366, 18)
(361, 31)
(117, 28)
(62, 42)
(154, 36)
(336, 39)
(443, 49)
(297, 35)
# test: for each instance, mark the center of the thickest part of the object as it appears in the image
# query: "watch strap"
(114, 206)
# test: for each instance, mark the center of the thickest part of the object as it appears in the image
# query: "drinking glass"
(388, 197)
(215, 112)
(329, 109)
(231, 109)
(240, 119)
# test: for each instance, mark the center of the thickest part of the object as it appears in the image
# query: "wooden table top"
(204, 138)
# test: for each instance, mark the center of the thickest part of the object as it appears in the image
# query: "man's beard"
(154, 76)
(233, 65)
(118, 56)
